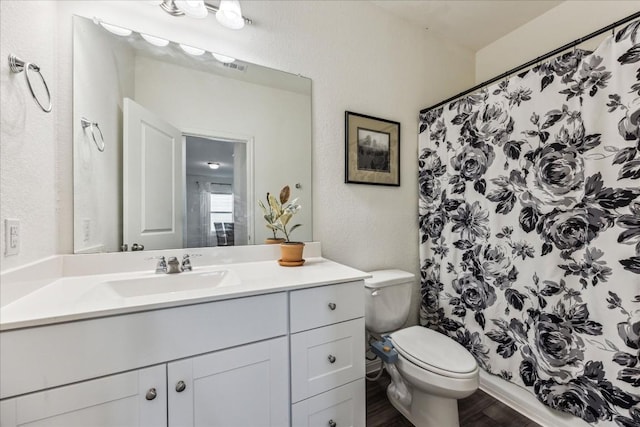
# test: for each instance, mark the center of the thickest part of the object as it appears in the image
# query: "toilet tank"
(387, 300)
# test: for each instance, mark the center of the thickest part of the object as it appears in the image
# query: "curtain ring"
(16, 65)
(86, 123)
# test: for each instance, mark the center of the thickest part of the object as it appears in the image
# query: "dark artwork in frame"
(372, 150)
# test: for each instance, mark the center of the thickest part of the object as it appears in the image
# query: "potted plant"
(283, 211)
(270, 216)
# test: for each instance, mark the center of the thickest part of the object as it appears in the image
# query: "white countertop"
(70, 298)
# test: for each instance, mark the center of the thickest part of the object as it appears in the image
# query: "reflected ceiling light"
(192, 50)
(214, 165)
(119, 31)
(192, 8)
(223, 58)
(229, 14)
(156, 41)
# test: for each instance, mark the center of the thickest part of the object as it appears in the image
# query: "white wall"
(563, 24)
(359, 57)
(28, 143)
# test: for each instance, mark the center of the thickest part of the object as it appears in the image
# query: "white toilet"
(433, 371)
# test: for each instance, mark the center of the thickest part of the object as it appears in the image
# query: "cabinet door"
(117, 400)
(242, 386)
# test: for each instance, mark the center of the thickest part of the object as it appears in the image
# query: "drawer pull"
(332, 358)
(180, 386)
(332, 306)
(332, 423)
(151, 394)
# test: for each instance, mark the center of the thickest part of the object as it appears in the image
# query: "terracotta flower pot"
(291, 254)
(272, 241)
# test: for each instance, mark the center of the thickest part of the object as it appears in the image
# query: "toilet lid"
(434, 352)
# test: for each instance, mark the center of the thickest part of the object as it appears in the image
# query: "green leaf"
(275, 205)
(284, 218)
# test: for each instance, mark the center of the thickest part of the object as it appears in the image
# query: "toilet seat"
(434, 352)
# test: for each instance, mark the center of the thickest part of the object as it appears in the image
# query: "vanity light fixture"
(223, 58)
(156, 41)
(228, 14)
(161, 42)
(214, 165)
(192, 50)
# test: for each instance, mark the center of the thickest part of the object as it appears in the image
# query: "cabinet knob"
(332, 423)
(331, 358)
(151, 394)
(180, 386)
(332, 306)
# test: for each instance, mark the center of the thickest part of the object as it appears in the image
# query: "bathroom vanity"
(263, 346)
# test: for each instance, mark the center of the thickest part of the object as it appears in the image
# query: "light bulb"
(229, 14)
(156, 41)
(223, 58)
(192, 50)
(114, 29)
(192, 8)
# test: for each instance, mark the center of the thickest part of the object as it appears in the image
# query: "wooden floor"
(477, 410)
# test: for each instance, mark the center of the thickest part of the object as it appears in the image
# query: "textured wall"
(28, 145)
(360, 59)
(563, 24)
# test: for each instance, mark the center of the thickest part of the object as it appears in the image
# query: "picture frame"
(372, 150)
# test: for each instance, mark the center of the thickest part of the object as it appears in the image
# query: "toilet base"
(427, 410)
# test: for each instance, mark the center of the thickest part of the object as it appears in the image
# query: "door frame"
(236, 138)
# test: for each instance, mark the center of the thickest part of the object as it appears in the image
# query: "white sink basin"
(172, 283)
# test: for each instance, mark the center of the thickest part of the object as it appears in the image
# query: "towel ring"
(86, 123)
(17, 65)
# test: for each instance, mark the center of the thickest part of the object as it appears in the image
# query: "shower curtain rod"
(535, 61)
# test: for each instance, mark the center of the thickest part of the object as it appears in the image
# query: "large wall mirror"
(173, 145)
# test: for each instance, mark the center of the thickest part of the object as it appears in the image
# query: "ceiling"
(473, 24)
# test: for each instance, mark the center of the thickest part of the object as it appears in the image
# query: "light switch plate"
(11, 237)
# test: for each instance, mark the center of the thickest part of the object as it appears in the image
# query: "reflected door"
(153, 175)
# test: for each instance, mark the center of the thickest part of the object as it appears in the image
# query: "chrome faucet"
(186, 263)
(173, 266)
(161, 266)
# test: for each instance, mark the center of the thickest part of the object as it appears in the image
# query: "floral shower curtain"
(530, 229)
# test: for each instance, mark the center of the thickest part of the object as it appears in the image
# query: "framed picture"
(372, 150)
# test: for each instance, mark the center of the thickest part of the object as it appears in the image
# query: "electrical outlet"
(11, 237)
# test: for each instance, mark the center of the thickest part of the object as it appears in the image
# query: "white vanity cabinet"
(327, 366)
(287, 358)
(243, 386)
(231, 355)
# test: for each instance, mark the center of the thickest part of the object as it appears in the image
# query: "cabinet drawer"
(325, 358)
(345, 406)
(324, 305)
